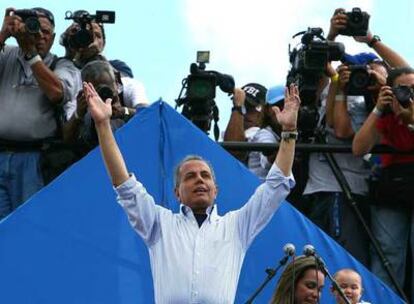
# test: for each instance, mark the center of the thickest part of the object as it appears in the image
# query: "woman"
(301, 282)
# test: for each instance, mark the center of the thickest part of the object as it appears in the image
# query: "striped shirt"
(199, 265)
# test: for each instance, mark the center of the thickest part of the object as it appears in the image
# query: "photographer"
(80, 128)
(245, 116)
(32, 85)
(258, 162)
(132, 90)
(392, 218)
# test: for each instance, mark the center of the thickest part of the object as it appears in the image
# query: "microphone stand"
(270, 274)
(335, 285)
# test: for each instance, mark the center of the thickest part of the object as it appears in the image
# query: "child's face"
(350, 283)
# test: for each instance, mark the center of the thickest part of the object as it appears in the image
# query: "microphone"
(309, 250)
(289, 249)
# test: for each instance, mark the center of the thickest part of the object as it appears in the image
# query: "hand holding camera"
(344, 74)
(11, 24)
(239, 97)
(385, 99)
(338, 23)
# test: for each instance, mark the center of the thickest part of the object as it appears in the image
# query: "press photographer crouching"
(390, 123)
(80, 129)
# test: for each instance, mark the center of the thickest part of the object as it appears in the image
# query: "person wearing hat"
(132, 92)
(246, 114)
(31, 88)
(259, 162)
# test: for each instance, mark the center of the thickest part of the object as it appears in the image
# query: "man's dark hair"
(397, 72)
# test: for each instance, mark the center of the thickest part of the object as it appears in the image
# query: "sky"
(246, 39)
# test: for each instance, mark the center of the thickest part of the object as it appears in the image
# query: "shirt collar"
(211, 211)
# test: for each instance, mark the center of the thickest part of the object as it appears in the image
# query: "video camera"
(30, 19)
(84, 35)
(198, 104)
(308, 64)
(357, 24)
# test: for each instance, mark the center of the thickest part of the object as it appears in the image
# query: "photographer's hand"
(385, 98)
(239, 97)
(380, 81)
(10, 26)
(338, 22)
(344, 73)
(364, 39)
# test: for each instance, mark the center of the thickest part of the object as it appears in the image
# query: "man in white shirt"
(196, 255)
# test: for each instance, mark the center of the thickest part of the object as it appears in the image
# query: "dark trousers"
(334, 215)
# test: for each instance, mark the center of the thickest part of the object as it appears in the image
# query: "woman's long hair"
(284, 290)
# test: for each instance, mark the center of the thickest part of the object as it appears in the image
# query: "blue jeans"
(20, 177)
(393, 228)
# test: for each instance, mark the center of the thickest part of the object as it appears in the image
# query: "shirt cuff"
(128, 187)
(275, 177)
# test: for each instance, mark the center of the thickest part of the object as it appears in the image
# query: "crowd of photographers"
(365, 100)
(45, 125)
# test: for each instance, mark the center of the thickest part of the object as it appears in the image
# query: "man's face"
(105, 80)
(405, 80)
(350, 283)
(45, 40)
(196, 188)
(308, 288)
(252, 117)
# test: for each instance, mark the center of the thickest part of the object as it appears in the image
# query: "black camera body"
(198, 103)
(308, 64)
(359, 80)
(404, 94)
(84, 35)
(357, 24)
(30, 19)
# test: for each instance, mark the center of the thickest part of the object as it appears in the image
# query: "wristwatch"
(29, 56)
(238, 109)
(288, 135)
(374, 40)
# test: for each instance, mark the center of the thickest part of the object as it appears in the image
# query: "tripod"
(346, 190)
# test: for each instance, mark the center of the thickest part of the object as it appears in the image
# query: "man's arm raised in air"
(101, 113)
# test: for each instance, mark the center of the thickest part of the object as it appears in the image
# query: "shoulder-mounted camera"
(198, 103)
(83, 36)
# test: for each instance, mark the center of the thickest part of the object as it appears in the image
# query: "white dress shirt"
(200, 265)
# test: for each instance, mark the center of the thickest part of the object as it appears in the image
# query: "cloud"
(250, 39)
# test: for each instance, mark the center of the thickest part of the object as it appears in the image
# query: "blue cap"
(275, 94)
(360, 58)
(122, 67)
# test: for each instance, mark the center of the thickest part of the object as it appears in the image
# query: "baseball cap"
(275, 95)
(360, 58)
(255, 94)
(45, 13)
(122, 67)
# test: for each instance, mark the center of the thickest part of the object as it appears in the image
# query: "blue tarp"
(72, 243)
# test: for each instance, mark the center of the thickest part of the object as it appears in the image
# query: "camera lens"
(403, 95)
(32, 25)
(360, 79)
